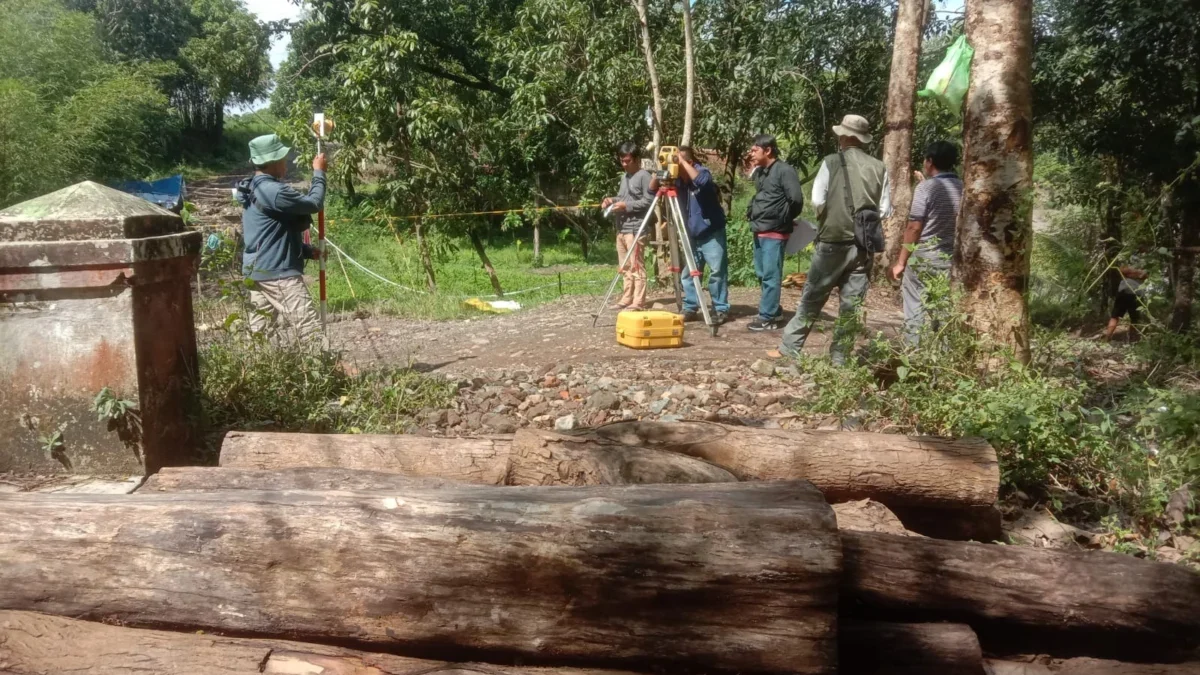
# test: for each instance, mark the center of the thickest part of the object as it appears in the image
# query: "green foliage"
(24, 135)
(118, 127)
(109, 406)
(248, 382)
(1054, 427)
(48, 48)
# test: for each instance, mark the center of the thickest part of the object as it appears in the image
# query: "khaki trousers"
(633, 291)
(288, 297)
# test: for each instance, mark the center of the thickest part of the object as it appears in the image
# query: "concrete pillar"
(95, 292)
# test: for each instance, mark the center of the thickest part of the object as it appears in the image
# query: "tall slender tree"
(995, 226)
(689, 61)
(911, 16)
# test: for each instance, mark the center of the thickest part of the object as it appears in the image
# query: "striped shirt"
(935, 205)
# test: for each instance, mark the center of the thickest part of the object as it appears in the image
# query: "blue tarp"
(168, 193)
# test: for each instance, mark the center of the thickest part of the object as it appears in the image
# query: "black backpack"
(868, 225)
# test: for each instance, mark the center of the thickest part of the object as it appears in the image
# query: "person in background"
(778, 200)
(931, 223)
(274, 219)
(700, 201)
(1128, 302)
(630, 207)
(848, 181)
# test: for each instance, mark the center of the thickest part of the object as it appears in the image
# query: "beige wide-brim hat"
(854, 126)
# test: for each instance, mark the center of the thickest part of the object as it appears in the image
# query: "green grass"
(459, 272)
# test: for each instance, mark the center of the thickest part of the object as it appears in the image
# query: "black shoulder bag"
(868, 226)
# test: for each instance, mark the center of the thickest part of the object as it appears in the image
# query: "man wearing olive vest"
(848, 181)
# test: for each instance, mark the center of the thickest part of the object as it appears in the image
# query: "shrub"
(116, 128)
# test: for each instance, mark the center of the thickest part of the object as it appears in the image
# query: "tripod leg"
(692, 269)
(673, 246)
(632, 250)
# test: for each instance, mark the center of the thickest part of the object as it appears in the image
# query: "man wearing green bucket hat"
(274, 220)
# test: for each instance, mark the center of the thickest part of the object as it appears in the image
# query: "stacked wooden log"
(631, 548)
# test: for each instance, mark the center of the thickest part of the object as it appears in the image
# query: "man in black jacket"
(777, 202)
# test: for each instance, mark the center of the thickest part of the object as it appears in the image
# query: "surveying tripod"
(677, 227)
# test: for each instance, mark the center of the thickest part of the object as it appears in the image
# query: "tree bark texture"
(1047, 591)
(651, 69)
(875, 648)
(482, 461)
(863, 515)
(215, 478)
(689, 61)
(995, 226)
(530, 457)
(734, 577)
(889, 468)
(40, 644)
(898, 135)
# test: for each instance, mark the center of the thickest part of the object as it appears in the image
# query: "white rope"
(458, 297)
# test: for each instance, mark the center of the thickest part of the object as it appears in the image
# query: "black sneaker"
(758, 325)
(691, 316)
(719, 318)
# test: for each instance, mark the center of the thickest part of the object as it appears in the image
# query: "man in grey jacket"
(630, 206)
(274, 220)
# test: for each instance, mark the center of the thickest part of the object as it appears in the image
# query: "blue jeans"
(841, 266)
(768, 265)
(711, 252)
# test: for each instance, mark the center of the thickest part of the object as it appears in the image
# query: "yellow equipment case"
(650, 330)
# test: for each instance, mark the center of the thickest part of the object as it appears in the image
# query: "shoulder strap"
(849, 184)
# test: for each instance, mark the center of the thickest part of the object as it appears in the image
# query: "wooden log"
(213, 478)
(1000, 590)
(531, 457)
(1087, 666)
(470, 460)
(865, 515)
(40, 644)
(873, 648)
(889, 468)
(548, 458)
(730, 577)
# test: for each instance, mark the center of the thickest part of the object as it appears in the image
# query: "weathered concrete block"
(95, 292)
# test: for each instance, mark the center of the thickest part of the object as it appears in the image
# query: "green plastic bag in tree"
(948, 83)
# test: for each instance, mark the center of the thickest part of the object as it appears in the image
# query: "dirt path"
(562, 332)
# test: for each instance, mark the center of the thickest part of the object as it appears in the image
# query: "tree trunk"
(426, 259)
(652, 70)
(537, 243)
(897, 140)
(871, 648)
(689, 60)
(350, 193)
(733, 576)
(889, 468)
(39, 644)
(487, 264)
(1185, 261)
(531, 457)
(1027, 595)
(995, 227)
